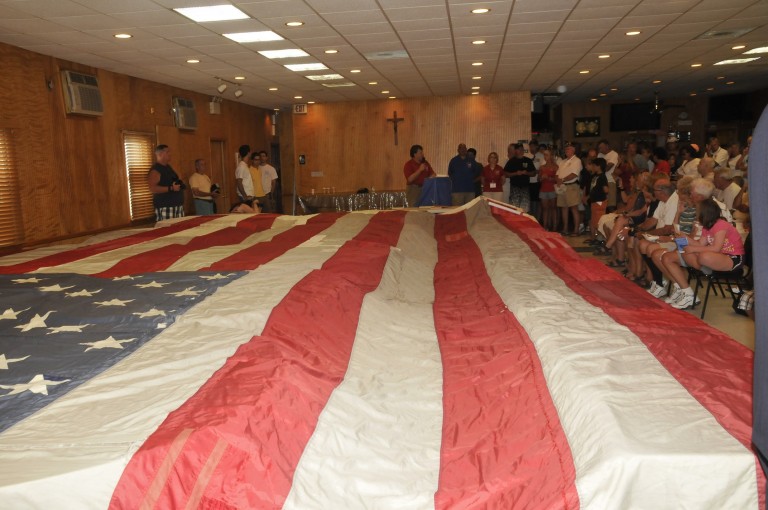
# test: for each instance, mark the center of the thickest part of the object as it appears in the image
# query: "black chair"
(735, 282)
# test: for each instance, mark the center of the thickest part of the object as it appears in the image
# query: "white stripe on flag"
(394, 371)
(103, 261)
(608, 390)
(122, 406)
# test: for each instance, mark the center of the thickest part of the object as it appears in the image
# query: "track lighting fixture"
(222, 87)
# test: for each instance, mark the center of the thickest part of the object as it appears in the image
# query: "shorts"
(571, 197)
(547, 195)
(737, 260)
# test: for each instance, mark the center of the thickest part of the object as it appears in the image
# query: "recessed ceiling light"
(315, 66)
(477, 63)
(614, 89)
(276, 109)
(633, 32)
(603, 56)
(477, 77)
(720, 78)
(603, 94)
(310, 102)
(331, 52)
(292, 53)
(123, 36)
(354, 70)
(193, 61)
(392, 97)
(239, 77)
(478, 42)
(730, 82)
(298, 97)
(475, 93)
(212, 13)
(762, 49)
(655, 82)
(710, 89)
(585, 71)
(385, 92)
(693, 94)
(475, 88)
(593, 99)
(373, 83)
(337, 84)
(735, 61)
(248, 37)
(273, 88)
(739, 47)
(637, 99)
(323, 77)
(695, 65)
(294, 24)
(480, 11)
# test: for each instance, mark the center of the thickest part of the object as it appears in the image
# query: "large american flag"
(391, 359)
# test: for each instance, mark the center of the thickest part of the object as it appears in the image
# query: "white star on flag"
(68, 329)
(55, 288)
(83, 293)
(39, 384)
(126, 277)
(113, 302)
(4, 361)
(28, 280)
(107, 343)
(154, 312)
(186, 292)
(217, 276)
(36, 322)
(153, 283)
(11, 314)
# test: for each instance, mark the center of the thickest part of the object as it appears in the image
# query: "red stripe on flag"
(163, 257)
(266, 400)
(261, 253)
(68, 256)
(714, 368)
(503, 445)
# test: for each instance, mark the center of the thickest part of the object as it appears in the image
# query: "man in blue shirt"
(462, 172)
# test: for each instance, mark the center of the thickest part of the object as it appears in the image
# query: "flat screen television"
(634, 117)
(729, 108)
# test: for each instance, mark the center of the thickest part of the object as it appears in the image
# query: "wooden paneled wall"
(72, 168)
(352, 144)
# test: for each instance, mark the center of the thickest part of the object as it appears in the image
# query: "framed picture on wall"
(586, 126)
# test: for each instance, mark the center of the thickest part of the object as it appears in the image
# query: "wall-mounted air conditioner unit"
(184, 113)
(81, 93)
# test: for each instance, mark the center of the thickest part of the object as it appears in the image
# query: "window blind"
(10, 204)
(139, 158)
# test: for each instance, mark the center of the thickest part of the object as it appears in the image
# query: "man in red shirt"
(416, 170)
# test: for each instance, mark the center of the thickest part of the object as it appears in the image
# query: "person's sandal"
(616, 263)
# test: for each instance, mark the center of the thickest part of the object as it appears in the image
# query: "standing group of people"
(255, 180)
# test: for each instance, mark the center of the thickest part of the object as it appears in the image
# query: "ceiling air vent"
(725, 34)
(184, 113)
(81, 93)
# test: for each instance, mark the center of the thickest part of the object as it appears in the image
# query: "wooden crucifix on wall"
(394, 120)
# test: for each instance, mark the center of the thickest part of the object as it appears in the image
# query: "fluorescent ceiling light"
(193, 61)
(123, 36)
(633, 32)
(212, 13)
(294, 24)
(284, 53)
(335, 85)
(735, 61)
(762, 49)
(354, 71)
(272, 88)
(480, 11)
(246, 37)
(306, 67)
(322, 77)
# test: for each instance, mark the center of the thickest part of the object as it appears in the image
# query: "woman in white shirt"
(690, 163)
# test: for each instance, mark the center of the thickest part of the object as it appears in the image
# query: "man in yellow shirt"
(201, 190)
(255, 171)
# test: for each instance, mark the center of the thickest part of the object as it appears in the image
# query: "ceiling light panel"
(249, 37)
(753, 51)
(735, 61)
(212, 13)
(315, 66)
(323, 77)
(291, 53)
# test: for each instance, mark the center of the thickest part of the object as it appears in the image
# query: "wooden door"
(220, 176)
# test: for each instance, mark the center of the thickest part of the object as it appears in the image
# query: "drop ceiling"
(411, 48)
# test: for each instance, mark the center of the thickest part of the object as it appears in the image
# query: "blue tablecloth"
(435, 191)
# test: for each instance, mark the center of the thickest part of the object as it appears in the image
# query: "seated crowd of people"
(653, 211)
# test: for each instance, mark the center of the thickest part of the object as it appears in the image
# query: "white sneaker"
(660, 291)
(685, 300)
(652, 288)
(676, 291)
